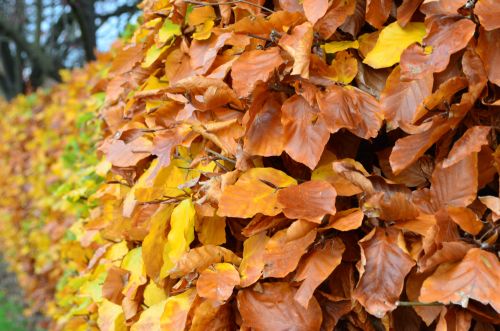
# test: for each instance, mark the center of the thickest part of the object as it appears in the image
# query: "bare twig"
(203, 3)
(416, 303)
(220, 156)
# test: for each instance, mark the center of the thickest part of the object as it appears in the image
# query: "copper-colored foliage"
(383, 267)
(309, 201)
(266, 165)
(271, 306)
(475, 277)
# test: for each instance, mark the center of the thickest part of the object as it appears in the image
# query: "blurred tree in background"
(39, 37)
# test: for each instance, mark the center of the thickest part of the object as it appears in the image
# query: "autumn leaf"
(377, 12)
(315, 9)
(181, 234)
(336, 15)
(111, 317)
(475, 277)
(383, 268)
(273, 307)
(310, 201)
(217, 282)
(487, 11)
(400, 99)
(445, 36)
(252, 194)
(253, 67)
(303, 126)
(316, 268)
(391, 43)
(298, 44)
(253, 262)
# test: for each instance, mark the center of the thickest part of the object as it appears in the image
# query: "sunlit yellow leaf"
(153, 294)
(200, 15)
(180, 236)
(176, 310)
(111, 317)
(204, 31)
(337, 46)
(168, 31)
(392, 41)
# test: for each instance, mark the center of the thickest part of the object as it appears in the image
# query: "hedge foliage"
(287, 165)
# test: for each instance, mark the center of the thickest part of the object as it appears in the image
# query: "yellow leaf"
(180, 236)
(155, 241)
(337, 46)
(134, 263)
(168, 32)
(391, 43)
(176, 310)
(204, 31)
(200, 15)
(150, 318)
(111, 317)
(153, 294)
(153, 54)
(212, 230)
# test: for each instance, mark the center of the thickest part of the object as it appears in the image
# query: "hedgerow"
(265, 166)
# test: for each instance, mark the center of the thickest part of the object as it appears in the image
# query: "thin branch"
(259, 37)
(202, 3)
(220, 156)
(416, 303)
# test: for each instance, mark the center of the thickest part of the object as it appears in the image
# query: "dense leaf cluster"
(286, 165)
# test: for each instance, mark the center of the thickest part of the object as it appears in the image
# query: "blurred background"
(39, 37)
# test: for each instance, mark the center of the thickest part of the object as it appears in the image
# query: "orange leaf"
(310, 201)
(253, 67)
(316, 268)
(383, 268)
(298, 45)
(271, 306)
(252, 194)
(305, 132)
(475, 277)
(315, 9)
(217, 282)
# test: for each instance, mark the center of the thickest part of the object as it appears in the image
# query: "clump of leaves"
(295, 166)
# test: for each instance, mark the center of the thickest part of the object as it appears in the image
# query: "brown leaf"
(298, 44)
(334, 17)
(316, 268)
(466, 219)
(488, 48)
(446, 35)
(400, 99)
(471, 142)
(406, 11)
(264, 131)
(488, 11)
(203, 52)
(377, 12)
(121, 154)
(315, 9)
(457, 184)
(305, 133)
(253, 67)
(345, 220)
(200, 258)
(475, 277)
(310, 201)
(217, 282)
(271, 306)
(350, 108)
(284, 250)
(409, 149)
(383, 268)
